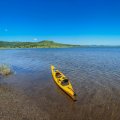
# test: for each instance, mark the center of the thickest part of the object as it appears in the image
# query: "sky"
(86, 22)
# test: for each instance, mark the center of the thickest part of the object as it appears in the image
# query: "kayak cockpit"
(65, 82)
(58, 75)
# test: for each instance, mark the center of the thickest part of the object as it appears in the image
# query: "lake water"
(93, 72)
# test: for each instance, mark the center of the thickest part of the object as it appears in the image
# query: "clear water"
(94, 74)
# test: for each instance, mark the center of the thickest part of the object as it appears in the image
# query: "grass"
(5, 70)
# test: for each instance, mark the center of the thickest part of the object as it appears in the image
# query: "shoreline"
(62, 47)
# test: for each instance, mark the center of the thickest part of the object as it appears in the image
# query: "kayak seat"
(58, 75)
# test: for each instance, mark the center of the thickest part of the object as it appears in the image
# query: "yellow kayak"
(63, 82)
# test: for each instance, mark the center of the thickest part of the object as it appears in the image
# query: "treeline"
(41, 44)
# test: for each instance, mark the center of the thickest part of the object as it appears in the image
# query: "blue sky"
(68, 21)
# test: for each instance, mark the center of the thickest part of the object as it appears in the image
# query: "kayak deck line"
(63, 82)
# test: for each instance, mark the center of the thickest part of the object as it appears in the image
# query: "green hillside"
(41, 44)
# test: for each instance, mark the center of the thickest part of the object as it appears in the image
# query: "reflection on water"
(94, 74)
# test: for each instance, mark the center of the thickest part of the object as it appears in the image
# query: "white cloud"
(35, 39)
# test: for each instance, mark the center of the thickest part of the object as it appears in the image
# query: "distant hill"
(41, 44)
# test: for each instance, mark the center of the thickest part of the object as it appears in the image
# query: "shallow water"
(94, 74)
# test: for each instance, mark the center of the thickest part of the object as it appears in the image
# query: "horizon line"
(63, 43)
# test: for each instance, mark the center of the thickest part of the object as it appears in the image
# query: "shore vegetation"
(5, 70)
(41, 44)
